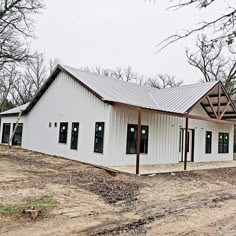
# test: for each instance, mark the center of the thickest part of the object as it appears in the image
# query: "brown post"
(138, 142)
(219, 92)
(186, 144)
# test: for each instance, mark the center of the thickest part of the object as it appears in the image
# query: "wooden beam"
(215, 95)
(212, 119)
(186, 144)
(225, 109)
(219, 93)
(212, 107)
(226, 113)
(138, 142)
(214, 104)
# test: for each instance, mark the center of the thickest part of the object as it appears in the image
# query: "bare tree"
(213, 65)
(163, 81)
(222, 27)
(53, 62)
(16, 25)
(29, 81)
(7, 81)
(127, 74)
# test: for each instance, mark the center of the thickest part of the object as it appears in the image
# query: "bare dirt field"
(77, 199)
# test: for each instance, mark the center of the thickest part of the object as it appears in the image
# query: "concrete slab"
(168, 168)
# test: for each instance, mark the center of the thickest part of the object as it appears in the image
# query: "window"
(132, 133)
(74, 136)
(55, 124)
(50, 124)
(99, 137)
(63, 132)
(6, 128)
(223, 143)
(208, 141)
(18, 134)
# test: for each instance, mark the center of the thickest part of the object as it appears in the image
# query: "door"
(18, 134)
(182, 143)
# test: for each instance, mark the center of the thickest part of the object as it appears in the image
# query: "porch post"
(219, 94)
(138, 142)
(186, 144)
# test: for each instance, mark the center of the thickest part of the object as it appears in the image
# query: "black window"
(55, 124)
(132, 134)
(50, 124)
(63, 132)
(74, 135)
(208, 141)
(6, 128)
(99, 137)
(223, 143)
(18, 134)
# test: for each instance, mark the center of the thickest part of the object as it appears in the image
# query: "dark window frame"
(14, 137)
(223, 143)
(131, 141)
(74, 136)
(208, 142)
(63, 135)
(3, 126)
(99, 137)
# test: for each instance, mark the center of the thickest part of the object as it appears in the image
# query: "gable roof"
(175, 100)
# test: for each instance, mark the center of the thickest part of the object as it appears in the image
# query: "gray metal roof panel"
(177, 99)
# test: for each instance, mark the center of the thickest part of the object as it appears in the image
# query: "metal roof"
(176, 100)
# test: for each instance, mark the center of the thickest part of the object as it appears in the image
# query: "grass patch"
(43, 204)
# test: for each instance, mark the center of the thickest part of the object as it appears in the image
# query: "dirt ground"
(94, 201)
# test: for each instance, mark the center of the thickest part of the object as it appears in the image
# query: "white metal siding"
(164, 137)
(67, 101)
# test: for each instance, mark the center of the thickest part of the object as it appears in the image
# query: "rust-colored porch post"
(219, 94)
(186, 144)
(138, 142)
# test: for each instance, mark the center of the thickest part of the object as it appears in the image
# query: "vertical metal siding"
(67, 101)
(164, 137)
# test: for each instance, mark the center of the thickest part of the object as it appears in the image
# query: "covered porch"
(217, 107)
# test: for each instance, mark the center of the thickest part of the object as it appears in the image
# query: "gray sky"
(118, 33)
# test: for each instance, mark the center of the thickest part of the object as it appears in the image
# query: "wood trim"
(138, 142)
(223, 112)
(212, 107)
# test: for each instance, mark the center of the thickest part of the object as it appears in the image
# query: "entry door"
(18, 134)
(189, 143)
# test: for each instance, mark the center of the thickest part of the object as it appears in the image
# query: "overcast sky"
(118, 33)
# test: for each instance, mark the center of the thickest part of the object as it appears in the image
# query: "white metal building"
(100, 120)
